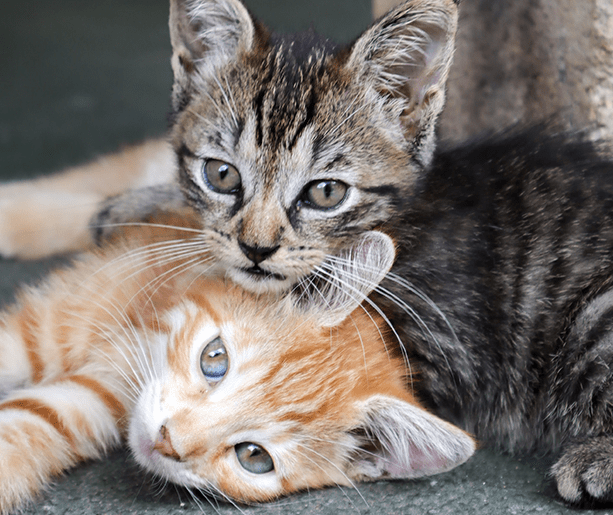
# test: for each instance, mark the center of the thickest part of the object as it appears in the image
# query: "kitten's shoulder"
(536, 146)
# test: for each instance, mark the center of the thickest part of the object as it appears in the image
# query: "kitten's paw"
(134, 206)
(584, 473)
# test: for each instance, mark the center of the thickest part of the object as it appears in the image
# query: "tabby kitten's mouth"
(258, 273)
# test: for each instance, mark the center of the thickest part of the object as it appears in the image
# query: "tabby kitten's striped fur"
(215, 389)
(289, 150)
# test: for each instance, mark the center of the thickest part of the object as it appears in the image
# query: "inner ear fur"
(401, 440)
(205, 34)
(406, 56)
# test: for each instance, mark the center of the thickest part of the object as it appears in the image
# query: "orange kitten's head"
(259, 397)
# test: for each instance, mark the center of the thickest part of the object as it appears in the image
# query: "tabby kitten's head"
(290, 148)
(255, 399)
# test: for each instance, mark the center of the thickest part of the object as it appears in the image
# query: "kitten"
(214, 388)
(317, 138)
(289, 150)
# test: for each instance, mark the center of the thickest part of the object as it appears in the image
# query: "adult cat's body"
(289, 151)
(214, 388)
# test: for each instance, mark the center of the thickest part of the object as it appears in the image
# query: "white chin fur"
(260, 285)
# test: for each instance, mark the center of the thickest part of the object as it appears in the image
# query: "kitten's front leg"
(47, 429)
(135, 206)
(50, 214)
(585, 470)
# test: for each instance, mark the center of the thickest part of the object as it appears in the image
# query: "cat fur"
(500, 293)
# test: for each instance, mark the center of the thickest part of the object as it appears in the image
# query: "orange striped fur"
(111, 347)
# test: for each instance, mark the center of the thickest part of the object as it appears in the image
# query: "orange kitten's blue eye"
(214, 361)
(221, 177)
(326, 194)
(254, 458)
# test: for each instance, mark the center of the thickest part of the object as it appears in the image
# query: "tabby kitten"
(325, 142)
(215, 389)
(290, 150)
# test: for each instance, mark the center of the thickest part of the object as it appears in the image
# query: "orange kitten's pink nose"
(163, 445)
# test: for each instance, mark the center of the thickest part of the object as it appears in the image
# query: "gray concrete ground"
(79, 78)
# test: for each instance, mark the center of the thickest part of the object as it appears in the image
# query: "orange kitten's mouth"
(258, 273)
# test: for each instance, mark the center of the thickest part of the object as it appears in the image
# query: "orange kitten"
(215, 388)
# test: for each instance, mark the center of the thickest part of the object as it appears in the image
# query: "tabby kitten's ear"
(406, 56)
(205, 34)
(351, 277)
(403, 441)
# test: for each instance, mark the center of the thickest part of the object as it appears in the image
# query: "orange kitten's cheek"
(234, 482)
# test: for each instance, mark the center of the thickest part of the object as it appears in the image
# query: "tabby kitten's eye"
(214, 361)
(221, 177)
(326, 194)
(253, 458)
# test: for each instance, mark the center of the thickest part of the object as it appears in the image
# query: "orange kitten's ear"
(205, 34)
(403, 441)
(351, 277)
(406, 56)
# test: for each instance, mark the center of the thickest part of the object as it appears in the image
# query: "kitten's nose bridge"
(260, 230)
(255, 253)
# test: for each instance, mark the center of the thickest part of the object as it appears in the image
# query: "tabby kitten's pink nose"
(163, 445)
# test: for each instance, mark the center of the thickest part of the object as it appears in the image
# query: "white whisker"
(211, 490)
(131, 258)
(333, 276)
(334, 465)
(426, 331)
(149, 224)
(103, 333)
(118, 316)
